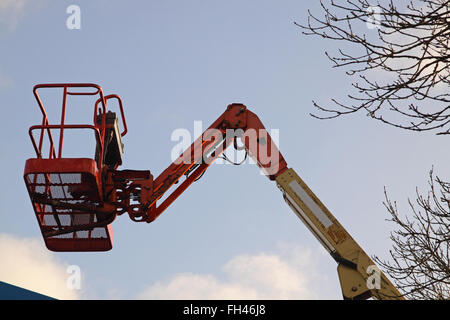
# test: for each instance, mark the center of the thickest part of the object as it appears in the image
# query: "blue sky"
(174, 62)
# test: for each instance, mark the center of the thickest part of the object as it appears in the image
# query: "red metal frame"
(45, 126)
(76, 184)
(192, 160)
(50, 169)
(98, 192)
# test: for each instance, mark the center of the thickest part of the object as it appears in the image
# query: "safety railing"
(46, 126)
(72, 89)
(49, 127)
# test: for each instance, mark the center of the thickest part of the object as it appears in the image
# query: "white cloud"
(406, 39)
(28, 264)
(291, 274)
(11, 11)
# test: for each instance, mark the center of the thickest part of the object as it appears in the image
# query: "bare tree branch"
(401, 64)
(420, 254)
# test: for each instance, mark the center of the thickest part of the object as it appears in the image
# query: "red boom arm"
(90, 193)
(236, 122)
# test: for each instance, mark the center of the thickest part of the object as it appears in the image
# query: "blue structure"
(11, 292)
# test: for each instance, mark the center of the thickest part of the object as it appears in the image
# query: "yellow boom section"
(359, 277)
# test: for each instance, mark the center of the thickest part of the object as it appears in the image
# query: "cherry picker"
(76, 199)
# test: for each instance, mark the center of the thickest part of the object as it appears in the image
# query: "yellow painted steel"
(358, 275)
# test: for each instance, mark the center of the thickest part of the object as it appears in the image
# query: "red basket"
(67, 193)
(73, 182)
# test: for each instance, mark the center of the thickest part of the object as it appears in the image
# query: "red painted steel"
(69, 181)
(67, 194)
(76, 200)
